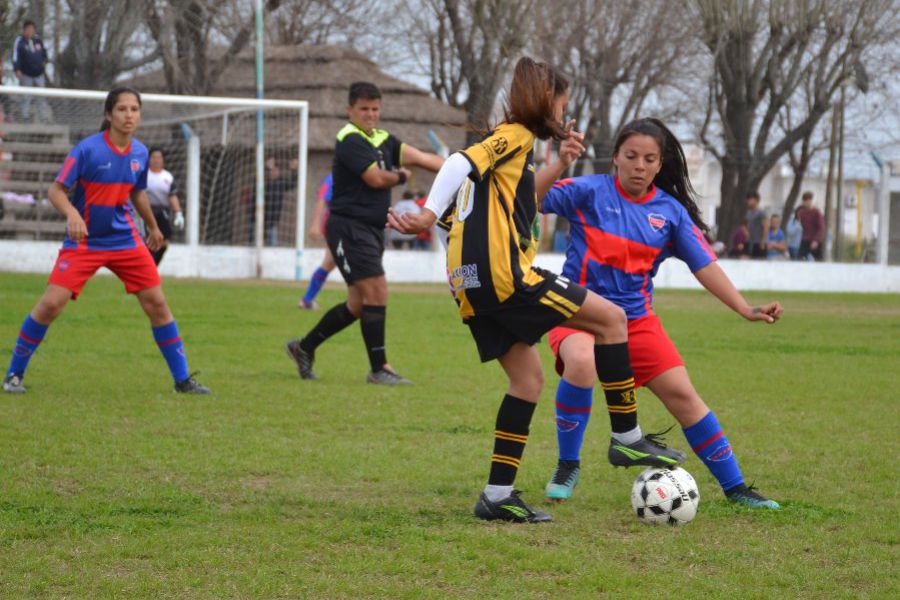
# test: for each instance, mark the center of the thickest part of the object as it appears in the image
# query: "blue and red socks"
(30, 337)
(172, 348)
(573, 411)
(712, 447)
(315, 284)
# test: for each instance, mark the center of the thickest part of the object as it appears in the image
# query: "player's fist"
(75, 227)
(178, 221)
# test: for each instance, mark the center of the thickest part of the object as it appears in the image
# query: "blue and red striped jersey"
(103, 178)
(616, 245)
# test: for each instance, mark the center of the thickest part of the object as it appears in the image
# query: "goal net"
(236, 188)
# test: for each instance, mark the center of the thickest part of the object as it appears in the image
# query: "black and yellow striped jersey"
(495, 231)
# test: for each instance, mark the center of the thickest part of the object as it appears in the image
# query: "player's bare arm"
(570, 149)
(59, 198)
(714, 279)
(142, 206)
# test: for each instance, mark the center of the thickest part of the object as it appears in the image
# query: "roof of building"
(322, 76)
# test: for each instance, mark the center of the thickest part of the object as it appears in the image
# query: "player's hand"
(769, 313)
(410, 222)
(178, 221)
(155, 239)
(571, 148)
(315, 233)
(75, 227)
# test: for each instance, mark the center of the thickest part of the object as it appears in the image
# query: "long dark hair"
(112, 97)
(673, 175)
(530, 101)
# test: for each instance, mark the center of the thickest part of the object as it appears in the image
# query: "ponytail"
(673, 177)
(533, 89)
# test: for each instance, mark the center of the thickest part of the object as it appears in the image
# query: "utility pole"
(829, 184)
(839, 213)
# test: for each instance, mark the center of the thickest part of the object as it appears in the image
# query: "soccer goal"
(239, 165)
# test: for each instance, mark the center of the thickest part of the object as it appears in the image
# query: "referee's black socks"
(616, 378)
(372, 325)
(337, 318)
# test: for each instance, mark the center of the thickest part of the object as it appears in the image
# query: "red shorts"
(651, 350)
(134, 267)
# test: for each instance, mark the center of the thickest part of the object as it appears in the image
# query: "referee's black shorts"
(164, 220)
(526, 315)
(357, 247)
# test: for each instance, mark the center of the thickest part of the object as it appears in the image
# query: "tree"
(101, 42)
(762, 51)
(199, 39)
(317, 22)
(621, 59)
(467, 49)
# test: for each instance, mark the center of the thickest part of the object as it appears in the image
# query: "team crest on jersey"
(135, 165)
(62, 265)
(657, 221)
(499, 145)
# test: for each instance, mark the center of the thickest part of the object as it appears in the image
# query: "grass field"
(111, 486)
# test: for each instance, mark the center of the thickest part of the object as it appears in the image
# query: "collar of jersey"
(645, 198)
(376, 139)
(112, 146)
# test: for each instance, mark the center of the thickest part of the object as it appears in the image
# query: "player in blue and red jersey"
(317, 232)
(106, 170)
(622, 228)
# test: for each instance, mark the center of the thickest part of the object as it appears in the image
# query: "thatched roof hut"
(322, 76)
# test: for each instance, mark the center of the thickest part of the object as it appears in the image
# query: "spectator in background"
(29, 61)
(813, 222)
(756, 227)
(739, 244)
(407, 204)
(276, 186)
(776, 247)
(794, 235)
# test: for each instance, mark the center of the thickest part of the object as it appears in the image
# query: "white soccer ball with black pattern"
(665, 496)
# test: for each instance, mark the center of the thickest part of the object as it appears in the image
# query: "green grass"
(111, 486)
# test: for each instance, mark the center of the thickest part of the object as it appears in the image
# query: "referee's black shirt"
(354, 153)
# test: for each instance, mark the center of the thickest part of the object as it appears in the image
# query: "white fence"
(230, 262)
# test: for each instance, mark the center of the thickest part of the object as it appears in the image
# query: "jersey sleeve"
(173, 187)
(566, 196)
(355, 153)
(690, 245)
(505, 143)
(73, 167)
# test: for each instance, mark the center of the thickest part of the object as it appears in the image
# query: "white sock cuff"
(629, 437)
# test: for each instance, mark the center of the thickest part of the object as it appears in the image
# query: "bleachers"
(30, 157)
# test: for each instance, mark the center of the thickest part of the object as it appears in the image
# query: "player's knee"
(580, 371)
(48, 309)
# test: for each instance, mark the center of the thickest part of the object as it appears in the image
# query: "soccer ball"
(665, 496)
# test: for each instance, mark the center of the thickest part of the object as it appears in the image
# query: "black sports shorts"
(357, 247)
(526, 315)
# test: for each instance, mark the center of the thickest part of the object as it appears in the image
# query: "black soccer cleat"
(191, 386)
(649, 451)
(302, 358)
(562, 483)
(12, 384)
(512, 508)
(387, 377)
(749, 497)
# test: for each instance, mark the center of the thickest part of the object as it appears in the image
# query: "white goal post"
(238, 190)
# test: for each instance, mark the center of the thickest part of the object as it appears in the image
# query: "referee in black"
(368, 162)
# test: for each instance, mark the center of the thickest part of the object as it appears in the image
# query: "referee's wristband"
(401, 177)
